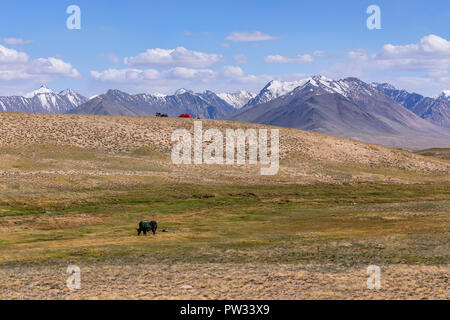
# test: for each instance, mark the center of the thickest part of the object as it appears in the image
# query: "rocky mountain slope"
(237, 99)
(114, 102)
(348, 108)
(275, 89)
(436, 110)
(42, 100)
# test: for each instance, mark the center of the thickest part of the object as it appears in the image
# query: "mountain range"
(237, 99)
(350, 108)
(115, 102)
(42, 100)
(435, 110)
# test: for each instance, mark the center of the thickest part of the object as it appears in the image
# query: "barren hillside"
(53, 142)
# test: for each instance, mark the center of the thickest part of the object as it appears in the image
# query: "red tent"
(184, 115)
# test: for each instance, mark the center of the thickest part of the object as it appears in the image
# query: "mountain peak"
(279, 88)
(383, 86)
(43, 100)
(275, 89)
(445, 94)
(115, 92)
(320, 77)
(237, 99)
(67, 92)
(183, 91)
(42, 90)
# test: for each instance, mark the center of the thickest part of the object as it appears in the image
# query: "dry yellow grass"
(73, 187)
(224, 281)
(48, 144)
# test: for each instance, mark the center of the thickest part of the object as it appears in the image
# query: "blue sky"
(225, 45)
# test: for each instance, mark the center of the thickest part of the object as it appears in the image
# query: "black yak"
(145, 226)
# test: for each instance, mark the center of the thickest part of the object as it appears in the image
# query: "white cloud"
(11, 56)
(178, 73)
(137, 75)
(240, 59)
(305, 58)
(228, 78)
(136, 80)
(19, 72)
(178, 57)
(15, 41)
(250, 36)
(13, 62)
(232, 72)
(187, 73)
(423, 67)
(430, 54)
(12, 75)
(125, 75)
(52, 66)
(429, 46)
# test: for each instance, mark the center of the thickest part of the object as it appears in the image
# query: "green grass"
(346, 224)
(442, 153)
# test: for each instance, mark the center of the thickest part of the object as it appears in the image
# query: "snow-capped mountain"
(275, 89)
(348, 108)
(409, 100)
(445, 94)
(73, 97)
(42, 90)
(367, 97)
(237, 99)
(42, 100)
(435, 110)
(183, 91)
(115, 102)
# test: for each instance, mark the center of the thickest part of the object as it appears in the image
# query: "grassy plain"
(310, 232)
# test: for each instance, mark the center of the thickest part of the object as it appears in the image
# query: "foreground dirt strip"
(223, 281)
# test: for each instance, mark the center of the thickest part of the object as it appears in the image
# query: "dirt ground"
(224, 281)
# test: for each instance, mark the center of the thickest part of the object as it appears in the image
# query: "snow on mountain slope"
(73, 97)
(114, 102)
(183, 91)
(42, 90)
(348, 108)
(435, 110)
(348, 87)
(160, 95)
(445, 94)
(42, 100)
(275, 89)
(237, 99)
